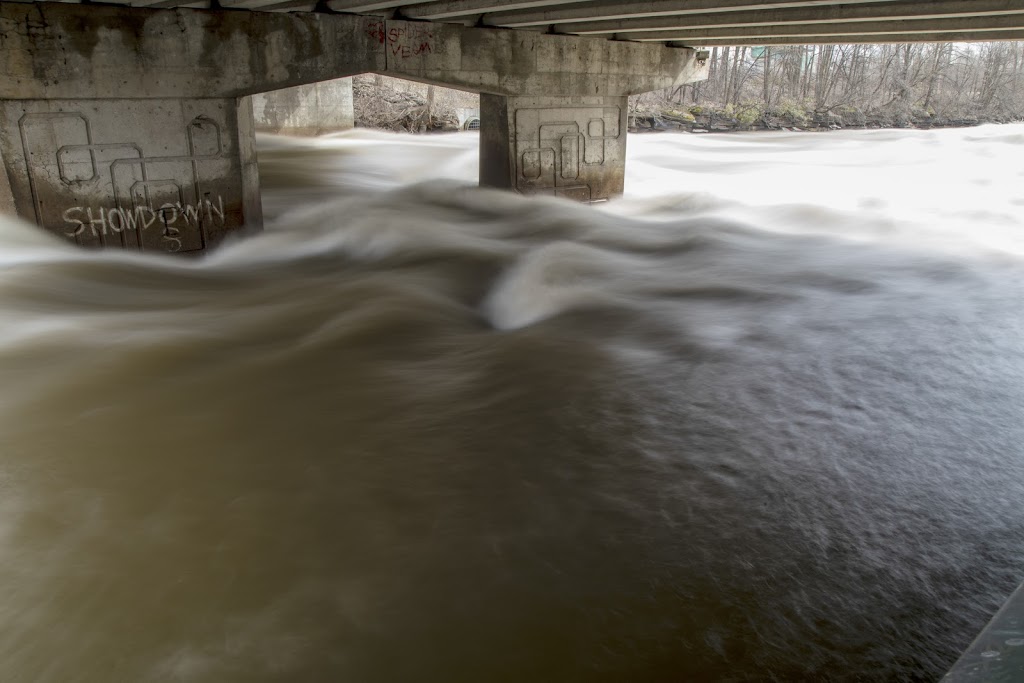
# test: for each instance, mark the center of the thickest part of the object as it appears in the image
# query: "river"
(761, 419)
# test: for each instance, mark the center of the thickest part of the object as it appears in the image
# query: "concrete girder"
(874, 39)
(615, 18)
(292, 6)
(168, 4)
(616, 9)
(246, 4)
(522, 63)
(819, 31)
(453, 9)
(895, 11)
(362, 5)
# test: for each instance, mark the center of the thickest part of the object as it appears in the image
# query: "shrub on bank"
(785, 115)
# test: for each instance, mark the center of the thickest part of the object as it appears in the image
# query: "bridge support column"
(572, 147)
(172, 175)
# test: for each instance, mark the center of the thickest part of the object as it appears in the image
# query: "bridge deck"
(692, 23)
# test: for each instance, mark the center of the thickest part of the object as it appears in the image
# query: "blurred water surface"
(761, 419)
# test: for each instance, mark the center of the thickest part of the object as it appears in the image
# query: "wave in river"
(759, 420)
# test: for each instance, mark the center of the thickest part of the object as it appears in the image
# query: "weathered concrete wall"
(306, 109)
(169, 175)
(572, 147)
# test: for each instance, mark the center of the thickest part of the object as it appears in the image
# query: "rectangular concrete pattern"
(162, 175)
(566, 147)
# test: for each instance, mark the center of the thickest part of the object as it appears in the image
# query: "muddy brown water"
(762, 419)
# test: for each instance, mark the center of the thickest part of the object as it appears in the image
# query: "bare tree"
(903, 82)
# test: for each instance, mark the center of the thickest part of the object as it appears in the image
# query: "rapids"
(761, 419)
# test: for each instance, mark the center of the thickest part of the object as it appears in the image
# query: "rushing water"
(762, 419)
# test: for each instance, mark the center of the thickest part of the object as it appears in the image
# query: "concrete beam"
(874, 39)
(62, 51)
(523, 63)
(66, 51)
(862, 28)
(312, 109)
(892, 11)
(452, 9)
(362, 5)
(616, 9)
(292, 6)
(242, 4)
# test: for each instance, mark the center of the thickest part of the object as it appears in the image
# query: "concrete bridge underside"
(132, 127)
(697, 23)
(130, 124)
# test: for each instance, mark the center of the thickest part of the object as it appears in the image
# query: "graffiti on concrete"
(409, 40)
(142, 191)
(168, 217)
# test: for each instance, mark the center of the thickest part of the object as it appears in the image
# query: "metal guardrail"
(997, 655)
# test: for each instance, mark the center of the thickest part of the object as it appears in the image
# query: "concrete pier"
(572, 147)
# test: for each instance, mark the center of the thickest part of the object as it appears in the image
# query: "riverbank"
(699, 119)
(386, 103)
